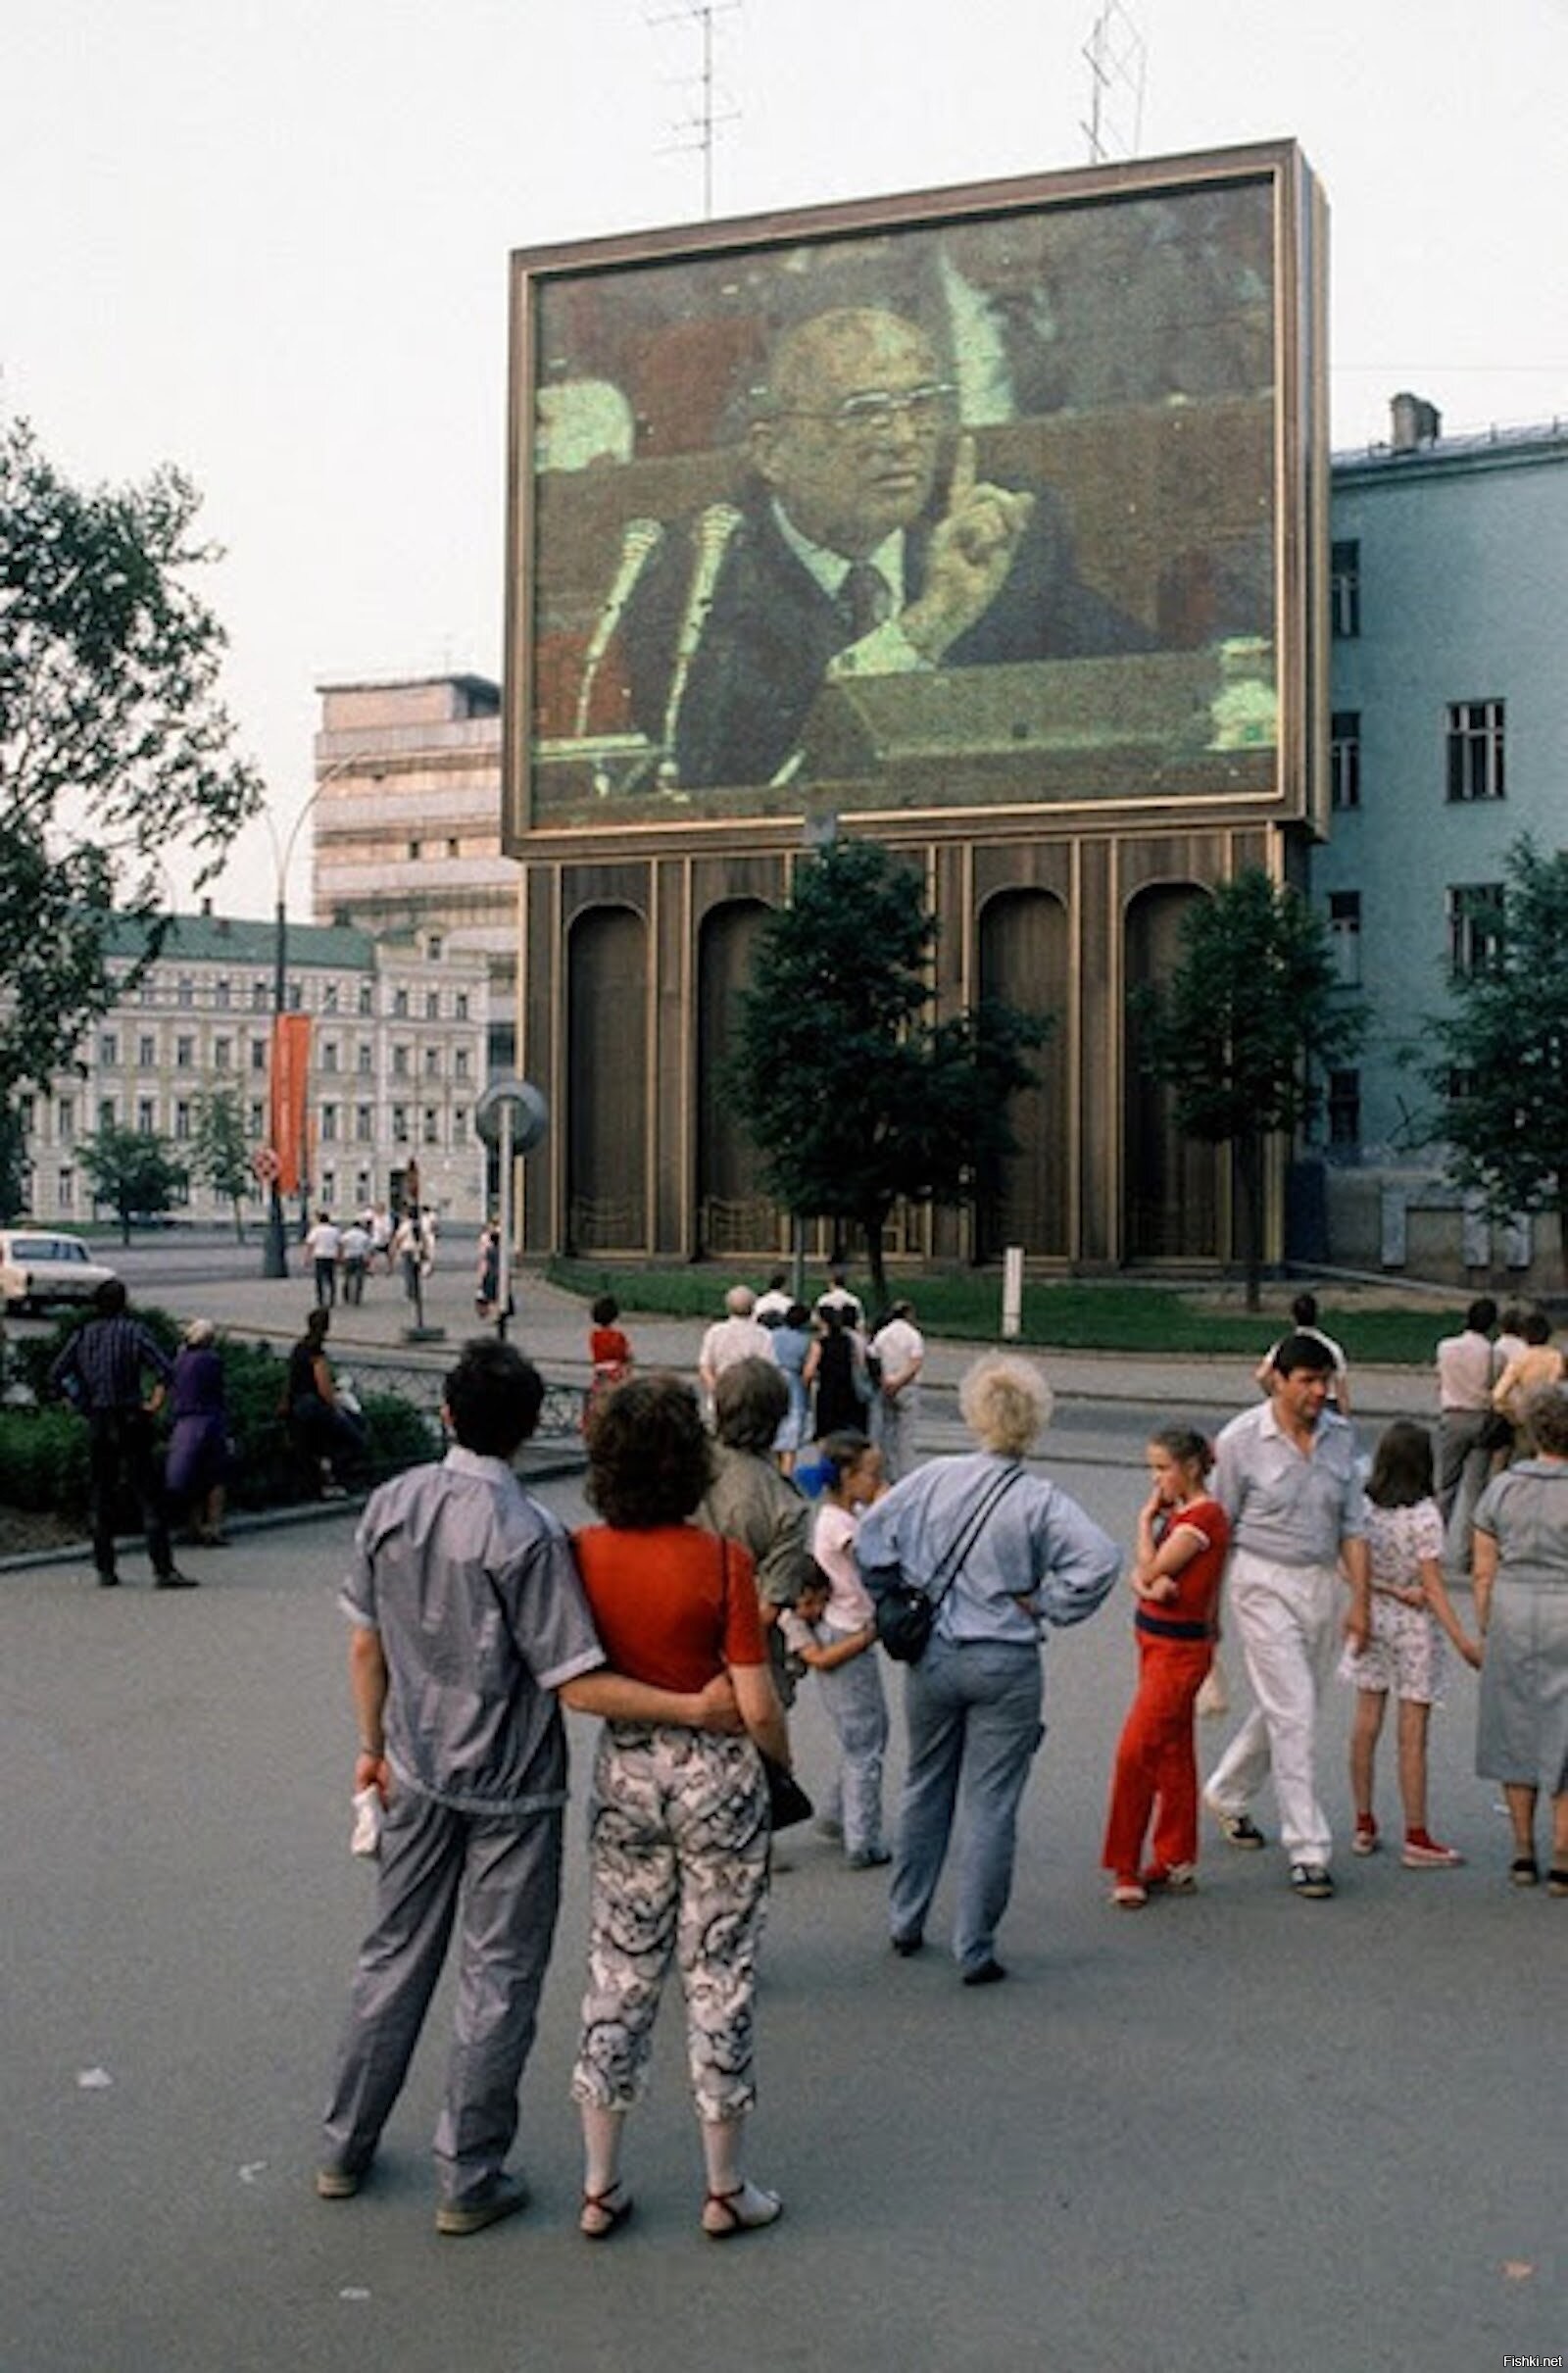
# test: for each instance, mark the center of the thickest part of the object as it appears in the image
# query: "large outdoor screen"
(979, 501)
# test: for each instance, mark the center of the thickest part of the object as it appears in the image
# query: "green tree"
(13, 1159)
(854, 1095)
(114, 744)
(220, 1153)
(135, 1174)
(1252, 1012)
(1502, 1083)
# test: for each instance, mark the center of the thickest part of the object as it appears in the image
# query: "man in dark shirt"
(102, 1369)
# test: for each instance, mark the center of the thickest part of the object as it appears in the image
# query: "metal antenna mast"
(1117, 54)
(710, 106)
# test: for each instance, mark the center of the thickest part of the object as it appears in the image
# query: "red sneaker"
(1423, 1853)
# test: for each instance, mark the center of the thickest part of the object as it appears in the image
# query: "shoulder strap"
(951, 1565)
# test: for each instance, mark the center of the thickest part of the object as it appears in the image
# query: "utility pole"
(698, 130)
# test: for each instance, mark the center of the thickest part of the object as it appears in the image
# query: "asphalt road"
(1230, 2130)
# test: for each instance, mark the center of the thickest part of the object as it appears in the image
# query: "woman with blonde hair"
(1001, 1552)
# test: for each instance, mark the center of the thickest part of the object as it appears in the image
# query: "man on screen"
(866, 543)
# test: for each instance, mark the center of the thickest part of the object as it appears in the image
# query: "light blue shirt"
(1291, 1509)
(1036, 1545)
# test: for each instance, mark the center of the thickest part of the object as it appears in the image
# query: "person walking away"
(103, 1371)
(609, 1354)
(324, 1246)
(1183, 1535)
(678, 1821)
(1521, 1585)
(843, 1387)
(469, 1630)
(1008, 1552)
(1403, 1651)
(898, 1354)
(1285, 1474)
(1539, 1363)
(196, 1468)
(1467, 1369)
(355, 1253)
(794, 1350)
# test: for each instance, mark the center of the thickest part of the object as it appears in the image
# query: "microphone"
(640, 540)
(714, 531)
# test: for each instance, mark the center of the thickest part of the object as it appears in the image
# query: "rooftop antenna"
(710, 106)
(1117, 54)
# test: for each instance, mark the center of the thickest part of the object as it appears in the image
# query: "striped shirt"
(109, 1358)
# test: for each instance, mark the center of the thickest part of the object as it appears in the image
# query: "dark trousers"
(326, 1284)
(121, 1444)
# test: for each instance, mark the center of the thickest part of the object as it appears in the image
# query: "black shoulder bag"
(906, 1614)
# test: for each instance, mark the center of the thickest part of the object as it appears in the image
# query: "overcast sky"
(268, 239)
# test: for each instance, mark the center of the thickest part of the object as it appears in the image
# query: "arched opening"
(1023, 962)
(1171, 1182)
(607, 1082)
(735, 1214)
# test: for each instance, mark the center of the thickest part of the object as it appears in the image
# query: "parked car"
(39, 1266)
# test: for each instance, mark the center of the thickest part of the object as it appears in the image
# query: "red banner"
(291, 1064)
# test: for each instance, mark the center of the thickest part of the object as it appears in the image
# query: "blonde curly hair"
(1006, 1403)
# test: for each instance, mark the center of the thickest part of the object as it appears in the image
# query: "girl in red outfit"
(1182, 1539)
(608, 1355)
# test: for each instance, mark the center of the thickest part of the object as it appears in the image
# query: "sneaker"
(868, 1858)
(1366, 1839)
(1424, 1854)
(1239, 1829)
(1130, 1894)
(1172, 1878)
(175, 1580)
(338, 2183)
(1311, 1880)
(503, 2196)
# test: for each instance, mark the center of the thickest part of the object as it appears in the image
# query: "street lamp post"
(274, 1249)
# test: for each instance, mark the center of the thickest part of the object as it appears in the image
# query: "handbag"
(906, 1613)
(787, 1800)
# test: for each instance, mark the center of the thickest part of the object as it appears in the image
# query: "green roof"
(242, 940)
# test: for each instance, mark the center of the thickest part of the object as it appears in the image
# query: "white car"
(38, 1267)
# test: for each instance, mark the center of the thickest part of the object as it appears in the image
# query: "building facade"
(407, 826)
(1448, 741)
(399, 1043)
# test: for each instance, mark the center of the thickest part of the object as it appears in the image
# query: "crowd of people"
(741, 1551)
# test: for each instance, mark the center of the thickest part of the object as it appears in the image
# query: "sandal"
(1524, 1871)
(745, 2210)
(1557, 1882)
(603, 2213)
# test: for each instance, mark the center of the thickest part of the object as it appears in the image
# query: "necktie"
(864, 598)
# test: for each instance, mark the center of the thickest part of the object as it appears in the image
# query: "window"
(459, 1004)
(184, 1053)
(67, 1191)
(187, 990)
(27, 1114)
(261, 997)
(1344, 591)
(399, 1062)
(222, 1048)
(147, 1051)
(329, 997)
(1475, 750)
(65, 1119)
(296, 997)
(432, 1005)
(400, 1124)
(330, 1054)
(1344, 758)
(328, 1125)
(182, 1121)
(432, 1125)
(258, 1053)
(1345, 1108)
(1475, 928)
(414, 852)
(109, 1050)
(400, 1004)
(365, 1122)
(221, 995)
(460, 1126)
(459, 1063)
(258, 1120)
(434, 944)
(1344, 935)
(108, 1113)
(366, 993)
(365, 1059)
(146, 1117)
(432, 1062)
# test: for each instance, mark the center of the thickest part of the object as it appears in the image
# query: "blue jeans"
(973, 1715)
(851, 1697)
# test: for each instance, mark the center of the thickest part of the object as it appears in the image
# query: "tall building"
(1450, 740)
(398, 1048)
(408, 825)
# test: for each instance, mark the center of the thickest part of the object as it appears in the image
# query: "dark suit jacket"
(771, 631)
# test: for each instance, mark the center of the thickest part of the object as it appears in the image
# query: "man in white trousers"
(1287, 1475)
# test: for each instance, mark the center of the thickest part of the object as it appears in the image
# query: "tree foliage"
(114, 744)
(220, 1153)
(1501, 1082)
(1251, 1014)
(854, 1094)
(134, 1173)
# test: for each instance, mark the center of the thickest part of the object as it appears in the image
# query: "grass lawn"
(966, 1305)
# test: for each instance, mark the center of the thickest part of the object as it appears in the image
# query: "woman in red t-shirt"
(678, 1821)
(1183, 1536)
